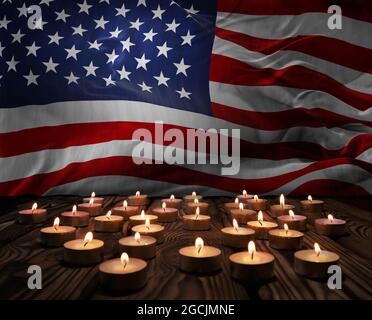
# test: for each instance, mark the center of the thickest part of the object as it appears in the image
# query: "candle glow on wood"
(199, 244)
(124, 258)
(34, 207)
(88, 238)
(56, 223)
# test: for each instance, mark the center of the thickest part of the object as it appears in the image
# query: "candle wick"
(124, 266)
(148, 227)
(85, 243)
(199, 249)
(252, 255)
(260, 222)
(55, 228)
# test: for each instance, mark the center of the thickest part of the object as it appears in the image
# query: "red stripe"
(231, 71)
(356, 9)
(330, 49)
(58, 137)
(40, 183)
(298, 117)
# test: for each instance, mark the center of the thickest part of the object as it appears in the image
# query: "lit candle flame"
(282, 200)
(147, 223)
(164, 206)
(291, 214)
(197, 213)
(236, 200)
(317, 249)
(108, 214)
(137, 237)
(251, 249)
(286, 228)
(34, 207)
(138, 194)
(244, 193)
(88, 238)
(143, 216)
(93, 195)
(91, 201)
(125, 204)
(172, 197)
(235, 225)
(124, 258)
(199, 244)
(241, 206)
(56, 223)
(255, 197)
(260, 217)
(196, 200)
(330, 218)
(310, 198)
(74, 209)
(193, 194)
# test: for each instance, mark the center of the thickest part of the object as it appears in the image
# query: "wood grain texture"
(20, 247)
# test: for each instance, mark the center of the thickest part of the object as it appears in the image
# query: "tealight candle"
(252, 266)
(75, 218)
(126, 211)
(256, 203)
(95, 199)
(85, 251)
(197, 221)
(244, 196)
(138, 199)
(191, 207)
(172, 202)
(314, 263)
(282, 208)
(108, 223)
(165, 214)
(330, 226)
(192, 197)
(137, 246)
(153, 230)
(123, 274)
(141, 219)
(294, 221)
(32, 216)
(200, 258)
(233, 205)
(285, 239)
(241, 215)
(56, 235)
(94, 209)
(261, 227)
(311, 205)
(236, 237)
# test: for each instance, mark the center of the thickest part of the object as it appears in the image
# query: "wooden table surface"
(20, 247)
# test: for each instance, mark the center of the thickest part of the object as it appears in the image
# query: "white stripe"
(14, 119)
(277, 98)
(352, 79)
(46, 161)
(344, 173)
(285, 26)
(129, 185)
(366, 156)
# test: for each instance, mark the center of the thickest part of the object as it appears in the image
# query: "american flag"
(73, 92)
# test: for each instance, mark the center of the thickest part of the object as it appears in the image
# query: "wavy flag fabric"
(73, 92)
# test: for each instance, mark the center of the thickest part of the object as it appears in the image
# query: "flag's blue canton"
(157, 51)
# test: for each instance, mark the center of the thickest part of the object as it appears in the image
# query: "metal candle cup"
(108, 223)
(75, 218)
(243, 216)
(256, 204)
(330, 227)
(56, 235)
(137, 199)
(32, 216)
(165, 214)
(285, 239)
(94, 209)
(142, 247)
(294, 221)
(195, 222)
(153, 230)
(313, 206)
(237, 237)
